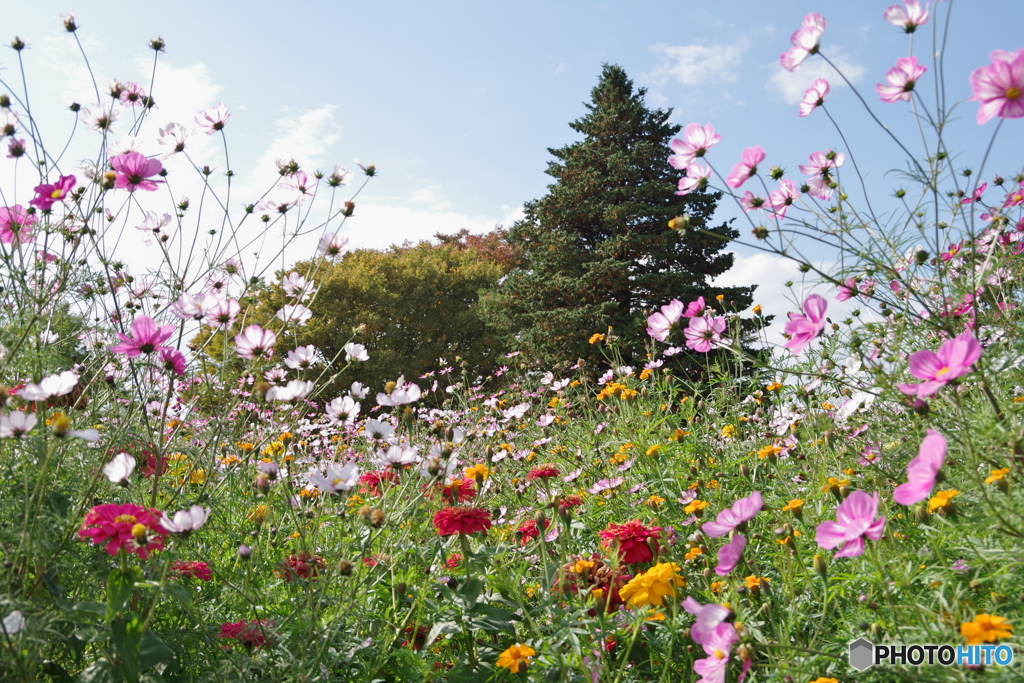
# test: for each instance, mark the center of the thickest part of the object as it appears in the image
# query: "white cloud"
(561, 68)
(305, 137)
(697, 64)
(790, 86)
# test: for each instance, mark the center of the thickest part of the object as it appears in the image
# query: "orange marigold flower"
(986, 628)
(516, 658)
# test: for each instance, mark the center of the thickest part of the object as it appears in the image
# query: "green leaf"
(99, 671)
(119, 588)
(153, 651)
(439, 628)
(126, 635)
(470, 591)
(179, 593)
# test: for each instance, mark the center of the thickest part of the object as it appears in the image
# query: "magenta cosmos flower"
(847, 290)
(819, 169)
(696, 142)
(805, 40)
(746, 167)
(704, 334)
(802, 328)
(954, 359)
(718, 647)
(999, 87)
(146, 337)
(255, 341)
(907, 19)
(814, 97)
(729, 554)
(922, 470)
(856, 519)
(741, 511)
(49, 194)
(901, 78)
(134, 171)
(659, 324)
(15, 224)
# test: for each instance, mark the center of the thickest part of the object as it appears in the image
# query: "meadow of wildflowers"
(166, 519)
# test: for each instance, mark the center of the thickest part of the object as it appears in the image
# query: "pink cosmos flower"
(146, 337)
(694, 308)
(704, 334)
(47, 195)
(805, 40)
(133, 172)
(332, 245)
(976, 195)
(132, 95)
(922, 470)
(741, 511)
(718, 646)
(746, 167)
(696, 178)
(802, 328)
(999, 87)
(255, 342)
(749, 201)
(213, 119)
(172, 360)
(729, 554)
(847, 290)
(907, 19)
(697, 140)
(856, 519)
(954, 359)
(781, 199)
(819, 169)
(709, 616)
(15, 224)
(223, 313)
(814, 97)
(901, 78)
(659, 324)
(16, 148)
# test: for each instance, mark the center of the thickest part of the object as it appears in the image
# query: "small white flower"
(119, 469)
(376, 429)
(396, 457)
(54, 385)
(296, 313)
(340, 478)
(48, 337)
(357, 352)
(295, 390)
(185, 522)
(302, 357)
(16, 424)
(342, 409)
(358, 391)
(297, 287)
(332, 246)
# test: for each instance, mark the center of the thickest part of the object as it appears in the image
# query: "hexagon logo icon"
(862, 654)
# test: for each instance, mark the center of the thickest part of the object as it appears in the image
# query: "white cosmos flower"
(16, 424)
(340, 478)
(357, 352)
(376, 429)
(302, 357)
(297, 287)
(404, 392)
(54, 385)
(358, 391)
(185, 522)
(396, 457)
(295, 390)
(296, 313)
(119, 469)
(342, 409)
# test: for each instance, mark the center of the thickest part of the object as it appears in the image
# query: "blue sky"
(457, 102)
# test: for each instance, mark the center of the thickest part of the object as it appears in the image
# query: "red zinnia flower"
(458, 520)
(528, 530)
(542, 472)
(193, 570)
(301, 566)
(371, 481)
(132, 527)
(458, 491)
(569, 502)
(631, 539)
(453, 561)
(249, 633)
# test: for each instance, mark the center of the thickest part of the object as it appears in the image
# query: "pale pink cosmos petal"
(744, 509)
(814, 97)
(695, 179)
(694, 308)
(805, 42)
(853, 548)
(999, 87)
(781, 199)
(659, 324)
(901, 78)
(729, 555)
(830, 534)
(960, 353)
(746, 167)
(697, 140)
(907, 19)
(922, 470)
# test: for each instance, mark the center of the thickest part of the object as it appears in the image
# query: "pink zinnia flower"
(47, 195)
(659, 324)
(805, 42)
(696, 178)
(15, 224)
(718, 646)
(922, 470)
(901, 78)
(907, 19)
(252, 634)
(213, 119)
(146, 337)
(729, 554)
(134, 528)
(704, 334)
(133, 172)
(856, 519)
(802, 328)
(741, 511)
(954, 359)
(999, 87)
(697, 140)
(814, 97)
(781, 199)
(255, 341)
(632, 539)
(746, 167)
(192, 570)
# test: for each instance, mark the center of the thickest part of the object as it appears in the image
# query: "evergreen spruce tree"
(598, 248)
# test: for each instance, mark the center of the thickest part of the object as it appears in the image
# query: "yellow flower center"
(127, 519)
(942, 372)
(1012, 93)
(57, 194)
(139, 532)
(719, 654)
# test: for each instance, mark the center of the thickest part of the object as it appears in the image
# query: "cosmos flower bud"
(364, 513)
(18, 44)
(377, 518)
(345, 567)
(349, 209)
(244, 552)
(820, 566)
(262, 483)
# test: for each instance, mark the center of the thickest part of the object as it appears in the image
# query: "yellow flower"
(728, 431)
(655, 616)
(582, 566)
(479, 470)
(594, 338)
(653, 450)
(651, 587)
(756, 309)
(833, 484)
(516, 657)
(986, 628)
(553, 403)
(258, 514)
(693, 553)
(794, 504)
(273, 448)
(654, 501)
(694, 506)
(822, 679)
(942, 500)
(754, 582)
(716, 586)
(997, 475)
(678, 434)
(769, 450)
(827, 406)
(645, 373)
(720, 297)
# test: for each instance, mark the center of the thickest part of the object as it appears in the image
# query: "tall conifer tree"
(599, 251)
